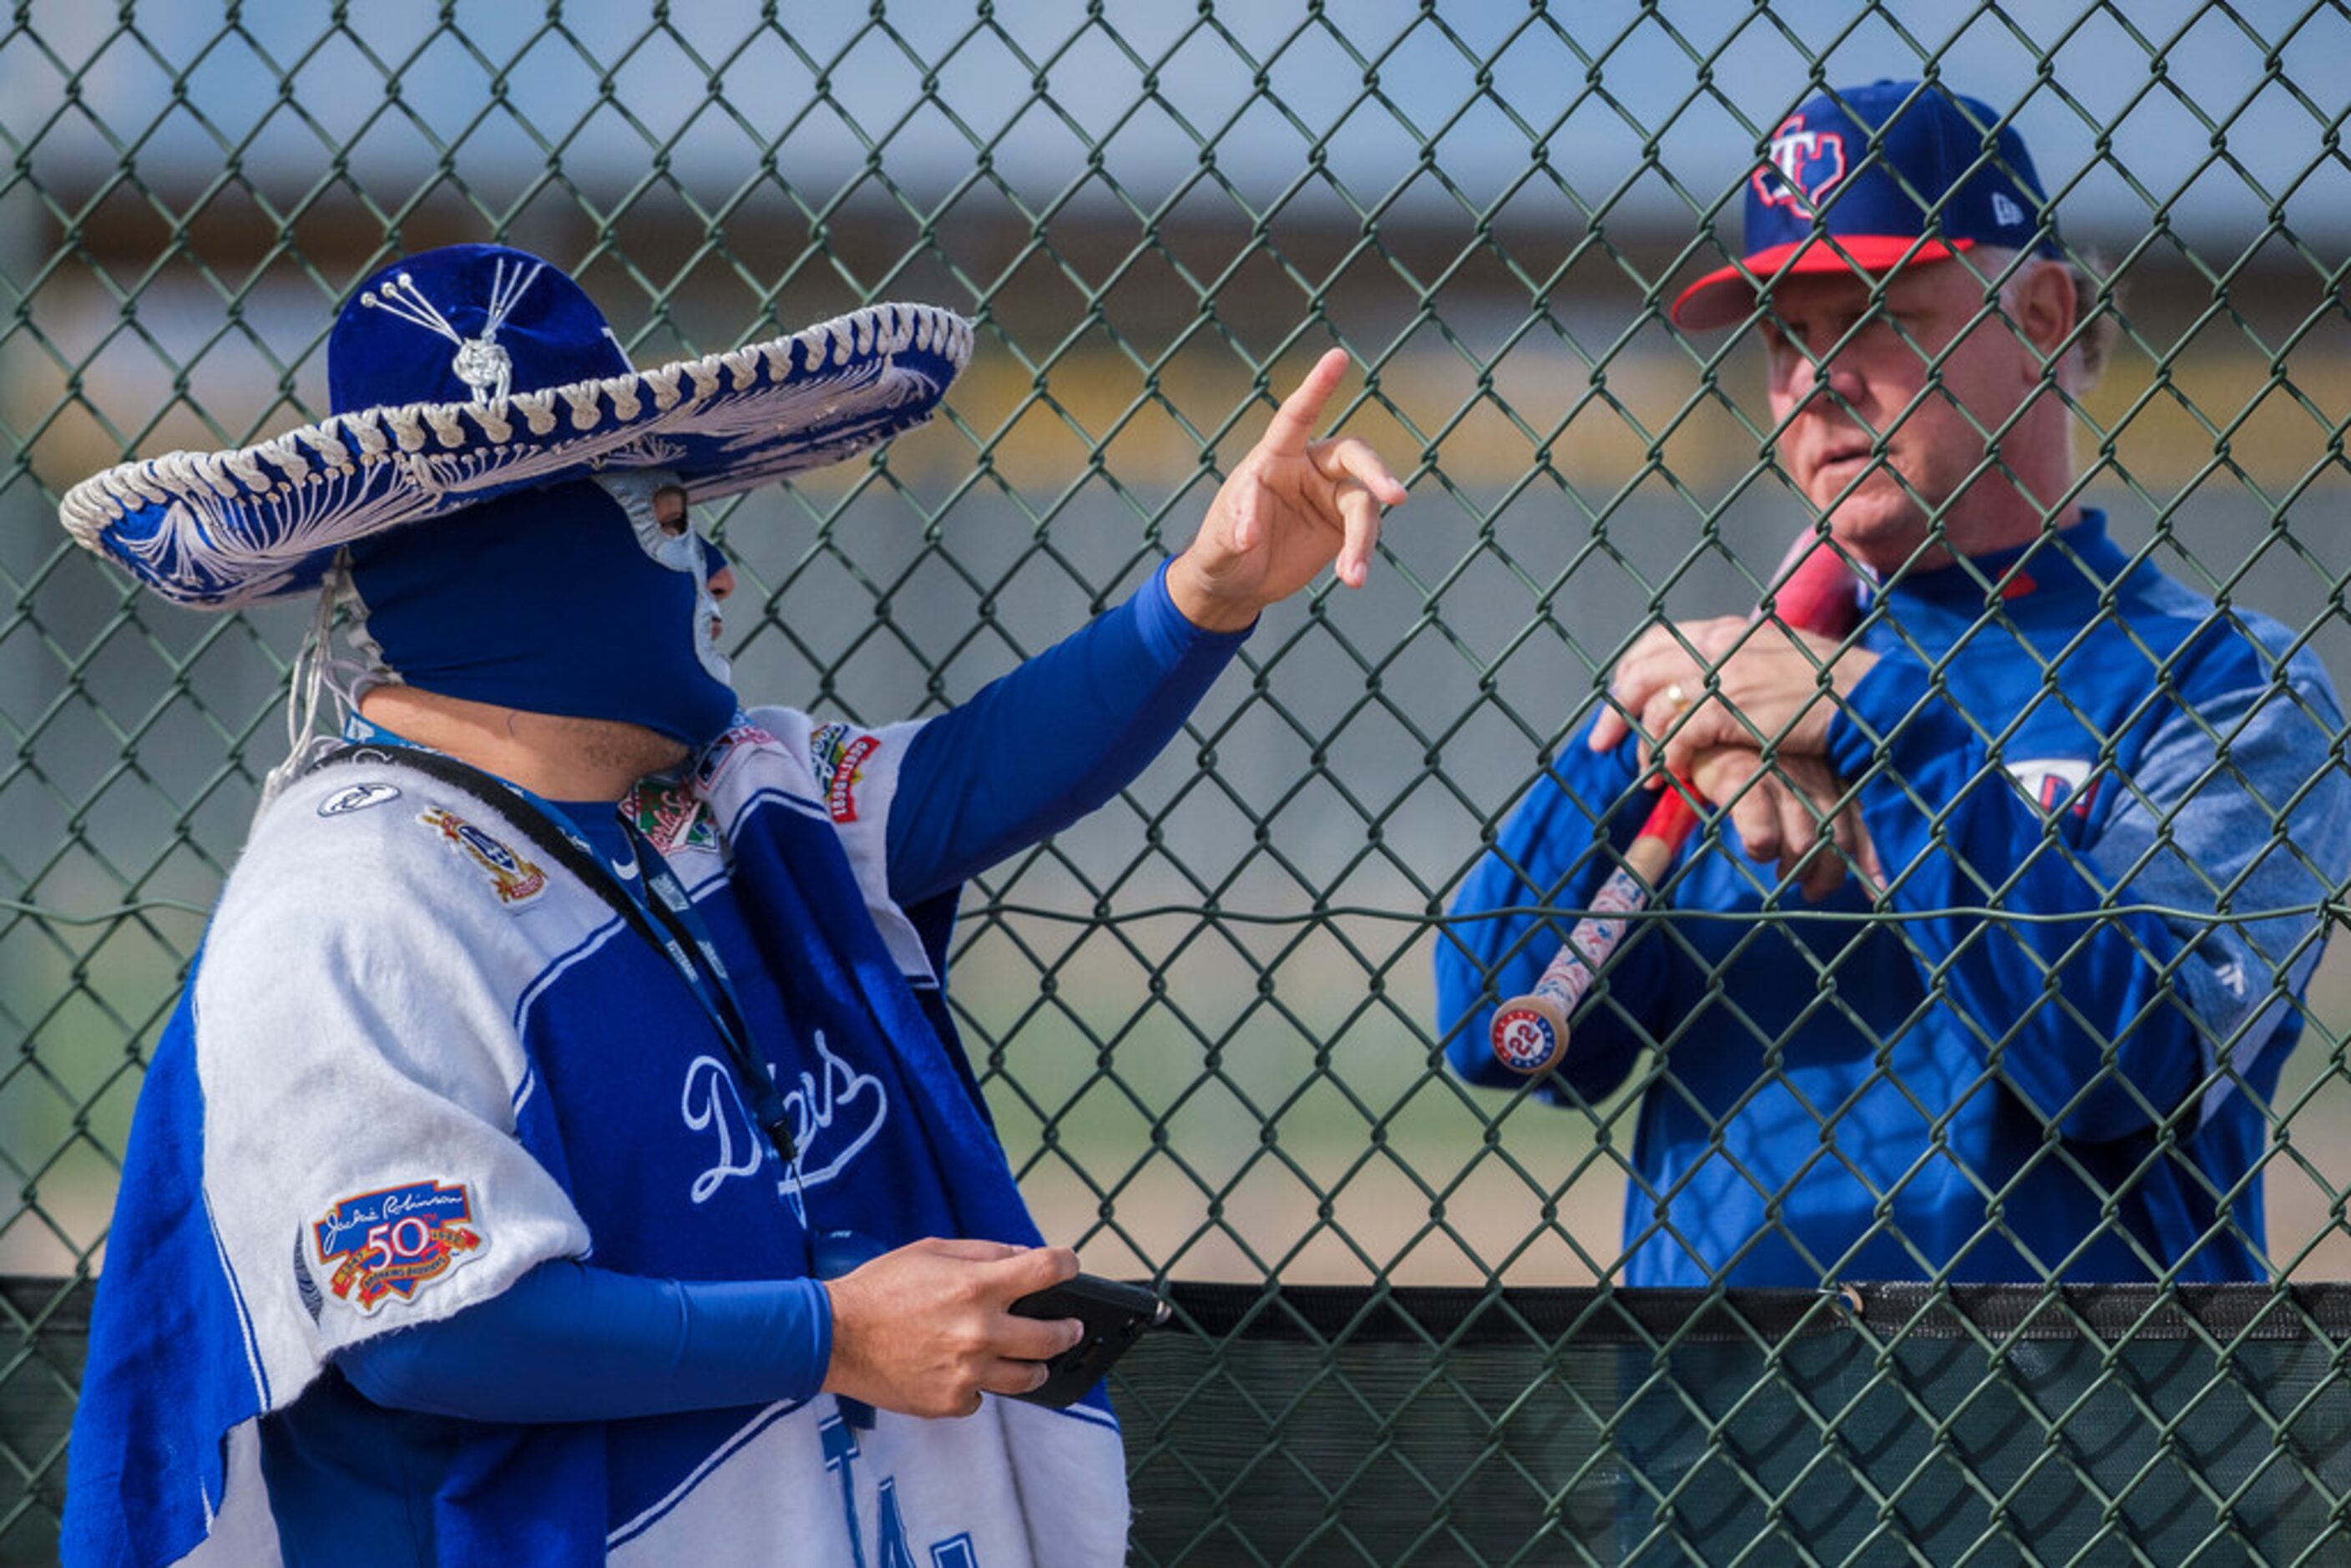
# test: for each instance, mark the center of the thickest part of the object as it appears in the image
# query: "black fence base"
(2201, 1424)
(1883, 1424)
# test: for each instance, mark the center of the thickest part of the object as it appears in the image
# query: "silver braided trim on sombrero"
(226, 528)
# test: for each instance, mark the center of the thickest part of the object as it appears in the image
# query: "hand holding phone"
(1114, 1314)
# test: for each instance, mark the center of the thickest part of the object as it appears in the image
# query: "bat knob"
(1528, 1035)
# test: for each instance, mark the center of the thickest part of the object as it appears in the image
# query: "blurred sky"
(2216, 113)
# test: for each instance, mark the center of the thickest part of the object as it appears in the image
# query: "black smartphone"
(1115, 1314)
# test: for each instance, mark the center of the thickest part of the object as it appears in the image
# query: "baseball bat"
(1528, 1034)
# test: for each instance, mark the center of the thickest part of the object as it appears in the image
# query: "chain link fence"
(1204, 1018)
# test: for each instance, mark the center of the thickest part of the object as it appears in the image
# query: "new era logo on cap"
(1864, 180)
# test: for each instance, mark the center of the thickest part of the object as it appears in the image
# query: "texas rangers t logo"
(1805, 167)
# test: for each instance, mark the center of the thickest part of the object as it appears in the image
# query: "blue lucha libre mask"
(569, 599)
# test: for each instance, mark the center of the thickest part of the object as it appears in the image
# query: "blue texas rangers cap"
(1864, 180)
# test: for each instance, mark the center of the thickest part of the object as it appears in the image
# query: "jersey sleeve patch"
(671, 816)
(837, 753)
(514, 878)
(721, 756)
(358, 797)
(393, 1243)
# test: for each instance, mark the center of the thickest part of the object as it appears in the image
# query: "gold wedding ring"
(1679, 697)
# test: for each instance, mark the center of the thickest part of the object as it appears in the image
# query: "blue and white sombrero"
(463, 374)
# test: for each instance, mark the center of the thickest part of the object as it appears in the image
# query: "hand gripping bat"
(1528, 1034)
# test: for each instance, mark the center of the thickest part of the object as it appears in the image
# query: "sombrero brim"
(223, 529)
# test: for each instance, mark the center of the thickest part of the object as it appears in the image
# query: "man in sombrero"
(562, 1149)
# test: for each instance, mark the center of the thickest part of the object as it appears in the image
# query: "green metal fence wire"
(1204, 1018)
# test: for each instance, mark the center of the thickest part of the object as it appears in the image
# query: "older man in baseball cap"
(1866, 181)
(2040, 1055)
(562, 1149)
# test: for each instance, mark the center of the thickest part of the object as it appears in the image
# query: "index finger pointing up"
(1293, 423)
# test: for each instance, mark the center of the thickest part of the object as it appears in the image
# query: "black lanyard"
(668, 919)
(694, 955)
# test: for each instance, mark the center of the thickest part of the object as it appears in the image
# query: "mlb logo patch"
(1803, 166)
(395, 1241)
(723, 753)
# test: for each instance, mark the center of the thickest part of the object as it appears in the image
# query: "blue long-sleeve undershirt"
(568, 1342)
(1031, 752)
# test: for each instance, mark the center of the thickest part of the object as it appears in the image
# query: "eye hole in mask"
(669, 510)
